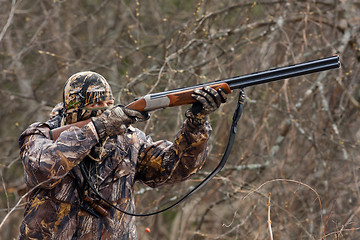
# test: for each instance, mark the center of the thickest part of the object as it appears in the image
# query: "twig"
(341, 230)
(269, 220)
(13, 209)
(11, 16)
(334, 126)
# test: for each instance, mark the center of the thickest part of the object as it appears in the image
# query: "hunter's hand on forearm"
(115, 121)
(207, 101)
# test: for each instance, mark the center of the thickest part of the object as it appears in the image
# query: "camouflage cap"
(85, 88)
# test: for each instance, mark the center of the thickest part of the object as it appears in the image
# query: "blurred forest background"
(298, 139)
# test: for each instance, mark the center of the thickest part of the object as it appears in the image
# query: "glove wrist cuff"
(195, 119)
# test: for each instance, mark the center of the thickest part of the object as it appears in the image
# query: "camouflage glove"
(115, 120)
(207, 101)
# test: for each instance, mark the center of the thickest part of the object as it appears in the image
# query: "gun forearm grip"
(184, 97)
(178, 98)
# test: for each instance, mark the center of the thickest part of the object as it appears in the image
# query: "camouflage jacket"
(56, 208)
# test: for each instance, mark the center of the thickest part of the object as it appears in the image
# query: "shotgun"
(182, 96)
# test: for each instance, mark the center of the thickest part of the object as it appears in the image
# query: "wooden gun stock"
(55, 133)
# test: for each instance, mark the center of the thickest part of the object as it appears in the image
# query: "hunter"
(111, 153)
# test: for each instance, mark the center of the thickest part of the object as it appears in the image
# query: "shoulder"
(38, 128)
(56, 116)
(44, 128)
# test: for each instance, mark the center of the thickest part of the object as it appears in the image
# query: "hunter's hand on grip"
(115, 121)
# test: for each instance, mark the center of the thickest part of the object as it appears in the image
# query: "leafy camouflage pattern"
(55, 205)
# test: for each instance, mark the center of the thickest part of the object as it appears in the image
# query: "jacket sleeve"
(170, 162)
(46, 161)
